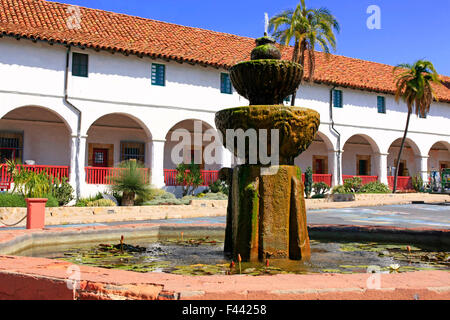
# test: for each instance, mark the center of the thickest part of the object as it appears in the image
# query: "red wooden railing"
(97, 175)
(365, 179)
(327, 178)
(55, 171)
(5, 179)
(208, 176)
(403, 183)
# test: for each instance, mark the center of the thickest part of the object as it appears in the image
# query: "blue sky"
(410, 29)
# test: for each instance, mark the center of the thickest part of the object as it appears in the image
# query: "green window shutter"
(225, 83)
(158, 74)
(381, 102)
(337, 99)
(80, 63)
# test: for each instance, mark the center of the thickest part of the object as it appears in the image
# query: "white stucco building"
(80, 100)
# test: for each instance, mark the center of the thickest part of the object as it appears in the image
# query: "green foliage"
(417, 183)
(308, 182)
(169, 199)
(353, 185)
(11, 200)
(189, 176)
(52, 202)
(16, 200)
(320, 188)
(308, 28)
(62, 191)
(101, 203)
(131, 182)
(219, 186)
(82, 202)
(340, 189)
(375, 187)
(30, 184)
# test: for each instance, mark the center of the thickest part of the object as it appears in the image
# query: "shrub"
(131, 183)
(16, 200)
(219, 186)
(340, 189)
(82, 202)
(101, 203)
(190, 177)
(12, 200)
(320, 188)
(63, 191)
(353, 185)
(52, 202)
(418, 183)
(308, 182)
(375, 187)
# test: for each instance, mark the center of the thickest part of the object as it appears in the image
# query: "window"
(11, 146)
(80, 63)
(158, 74)
(381, 102)
(132, 150)
(337, 98)
(225, 83)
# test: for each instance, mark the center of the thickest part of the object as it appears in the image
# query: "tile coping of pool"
(39, 278)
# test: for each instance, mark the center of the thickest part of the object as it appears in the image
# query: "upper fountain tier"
(266, 79)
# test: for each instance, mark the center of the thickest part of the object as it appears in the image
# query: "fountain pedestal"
(266, 214)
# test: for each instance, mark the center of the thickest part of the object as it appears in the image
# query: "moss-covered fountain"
(266, 215)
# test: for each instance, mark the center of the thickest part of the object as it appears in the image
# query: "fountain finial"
(266, 24)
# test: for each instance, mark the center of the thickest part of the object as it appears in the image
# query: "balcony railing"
(327, 178)
(55, 171)
(403, 183)
(208, 177)
(365, 179)
(106, 176)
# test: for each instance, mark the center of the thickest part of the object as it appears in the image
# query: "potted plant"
(34, 187)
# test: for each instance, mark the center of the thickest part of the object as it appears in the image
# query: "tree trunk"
(295, 59)
(400, 151)
(128, 199)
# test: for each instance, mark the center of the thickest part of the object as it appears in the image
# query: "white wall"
(33, 74)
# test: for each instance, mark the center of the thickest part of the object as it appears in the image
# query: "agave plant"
(131, 182)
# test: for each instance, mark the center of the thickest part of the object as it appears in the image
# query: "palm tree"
(414, 86)
(308, 28)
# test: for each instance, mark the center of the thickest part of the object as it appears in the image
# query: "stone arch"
(439, 156)
(317, 155)
(12, 113)
(411, 157)
(136, 119)
(36, 135)
(360, 156)
(191, 126)
(111, 135)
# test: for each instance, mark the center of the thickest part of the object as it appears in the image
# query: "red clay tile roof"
(102, 30)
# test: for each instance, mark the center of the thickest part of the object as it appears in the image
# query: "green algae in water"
(204, 256)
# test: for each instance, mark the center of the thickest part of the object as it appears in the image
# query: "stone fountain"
(266, 215)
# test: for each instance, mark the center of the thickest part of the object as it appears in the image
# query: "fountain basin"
(39, 278)
(266, 81)
(297, 126)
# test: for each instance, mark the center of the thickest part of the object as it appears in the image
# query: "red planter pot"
(36, 213)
